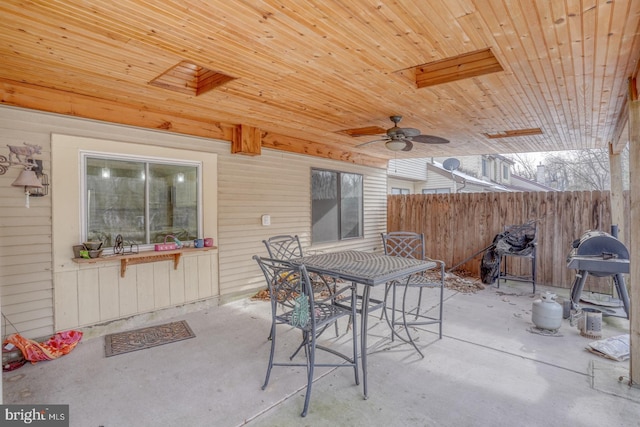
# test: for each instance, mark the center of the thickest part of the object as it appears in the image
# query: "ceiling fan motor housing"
(395, 132)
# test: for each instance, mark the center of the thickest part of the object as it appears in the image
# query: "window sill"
(143, 257)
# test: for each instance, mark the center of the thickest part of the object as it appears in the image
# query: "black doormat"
(153, 336)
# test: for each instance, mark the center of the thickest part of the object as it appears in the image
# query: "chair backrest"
(290, 290)
(283, 247)
(404, 244)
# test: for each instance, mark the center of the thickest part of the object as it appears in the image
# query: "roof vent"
(517, 132)
(190, 79)
(464, 66)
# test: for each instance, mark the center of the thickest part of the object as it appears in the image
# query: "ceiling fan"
(402, 139)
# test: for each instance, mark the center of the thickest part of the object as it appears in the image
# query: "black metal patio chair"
(287, 247)
(284, 247)
(293, 304)
(411, 245)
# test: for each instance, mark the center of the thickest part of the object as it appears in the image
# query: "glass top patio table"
(368, 269)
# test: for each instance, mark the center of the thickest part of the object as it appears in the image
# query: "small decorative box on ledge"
(168, 246)
(143, 257)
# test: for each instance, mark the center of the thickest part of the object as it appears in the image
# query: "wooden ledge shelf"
(143, 257)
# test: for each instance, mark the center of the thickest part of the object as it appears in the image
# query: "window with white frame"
(505, 172)
(336, 205)
(396, 190)
(436, 190)
(142, 199)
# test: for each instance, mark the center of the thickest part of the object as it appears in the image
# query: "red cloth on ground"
(58, 345)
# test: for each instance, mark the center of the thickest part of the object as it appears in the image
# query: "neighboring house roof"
(413, 170)
(519, 183)
(465, 179)
(501, 158)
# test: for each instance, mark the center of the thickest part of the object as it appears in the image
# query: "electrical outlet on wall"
(266, 220)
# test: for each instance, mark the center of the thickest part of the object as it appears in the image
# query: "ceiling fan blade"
(430, 139)
(410, 132)
(371, 142)
(366, 131)
(408, 146)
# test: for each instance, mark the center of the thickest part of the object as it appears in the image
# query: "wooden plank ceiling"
(309, 74)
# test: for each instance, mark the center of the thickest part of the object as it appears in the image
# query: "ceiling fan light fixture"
(395, 145)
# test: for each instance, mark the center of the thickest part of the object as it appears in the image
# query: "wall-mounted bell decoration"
(32, 176)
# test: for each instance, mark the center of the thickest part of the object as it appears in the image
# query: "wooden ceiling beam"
(55, 101)
(311, 148)
(39, 98)
(246, 140)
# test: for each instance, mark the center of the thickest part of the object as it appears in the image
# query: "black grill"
(598, 245)
(599, 254)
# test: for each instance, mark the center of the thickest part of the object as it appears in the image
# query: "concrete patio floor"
(488, 370)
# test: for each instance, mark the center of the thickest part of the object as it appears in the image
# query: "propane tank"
(547, 313)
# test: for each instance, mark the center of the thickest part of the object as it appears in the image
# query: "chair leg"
(354, 295)
(502, 271)
(419, 304)
(310, 349)
(404, 320)
(394, 301)
(406, 324)
(533, 270)
(272, 337)
(441, 304)
(302, 344)
(335, 288)
(392, 322)
(384, 313)
(386, 291)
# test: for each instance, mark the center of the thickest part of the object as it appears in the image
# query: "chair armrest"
(440, 263)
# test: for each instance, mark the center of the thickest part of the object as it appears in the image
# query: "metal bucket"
(590, 323)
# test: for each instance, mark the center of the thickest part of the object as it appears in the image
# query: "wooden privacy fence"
(457, 226)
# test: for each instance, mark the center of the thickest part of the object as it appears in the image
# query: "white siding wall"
(25, 235)
(414, 169)
(89, 294)
(279, 184)
(436, 181)
(275, 183)
(400, 183)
